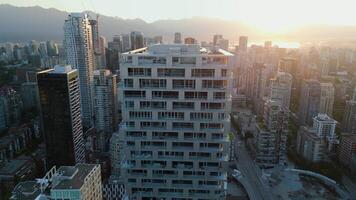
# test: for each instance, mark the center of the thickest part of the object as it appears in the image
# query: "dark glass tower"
(60, 113)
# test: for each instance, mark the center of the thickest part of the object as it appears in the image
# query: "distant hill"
(22, 24)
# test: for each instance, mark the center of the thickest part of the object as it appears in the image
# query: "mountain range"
(22, 24)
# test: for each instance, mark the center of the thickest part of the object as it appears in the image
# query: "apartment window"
(182, 125)
(136, 134)
(214, 84)
(201, 116)
(223, 72)
(163, 172)
(217, 136)
(153, 124)
(168, 72)
(183, 105)
(171, 115)
(140, 115)
(170, 154)
(182, 182)
(219, 95)
(203, 72)
(129, 104)
(199, 154)
(153, 143)
(134, 94)
(130, 143)
(189, 84)
(211, 126)
(140, 190)
(151, 60)
(188, 60)
(165, 94)
(210, 145)
(139, 71)
(130, 124)
(212, 106)
(189, 135)
(195, 95)
(183, 60)
(153, 83)
(153, 104)
(222, 116)
(215, 60)
(164, 135)
(128, 59)
(128, 82)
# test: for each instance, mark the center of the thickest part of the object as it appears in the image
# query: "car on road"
(236, 174)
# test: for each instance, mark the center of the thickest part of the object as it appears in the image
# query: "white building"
(79, 51)
(314, 142)
(324, 126)
(82, 181)
(173, 140)
(281, 88)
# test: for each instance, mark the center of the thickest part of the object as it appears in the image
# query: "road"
(252, 174)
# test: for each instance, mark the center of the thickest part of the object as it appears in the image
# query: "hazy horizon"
(274, 16)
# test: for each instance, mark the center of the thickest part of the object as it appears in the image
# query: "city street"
(251, 173)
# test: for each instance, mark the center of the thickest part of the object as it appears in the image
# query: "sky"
(268, 15)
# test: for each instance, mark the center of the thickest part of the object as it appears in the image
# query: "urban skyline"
(143, 116)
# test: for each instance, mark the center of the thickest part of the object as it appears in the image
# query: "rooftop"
(191, 49)
(106, 72)
(71, 177)
(322, 117)
(59, 69)
(28, 190)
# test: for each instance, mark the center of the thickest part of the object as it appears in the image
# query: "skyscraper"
(137, 40)
(60, 114)
(10, 107)
(271, 138)
(98, 44)
(309, 101)
(116, 43)
(95, 35)
(281, 88)
(102, 44)
(349, 119)
(327, 98)
(177, 38)
(105, 107)
(216, 38)
(126, 43)
(176, 101)
(78, 45)
(243, 40)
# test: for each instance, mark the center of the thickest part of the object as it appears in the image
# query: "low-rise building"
(82, 181)
(16, 170)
